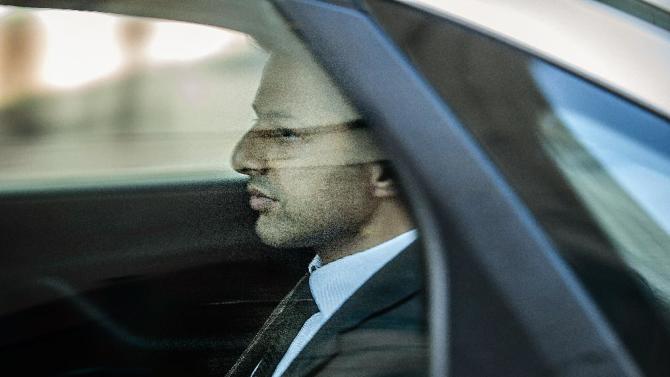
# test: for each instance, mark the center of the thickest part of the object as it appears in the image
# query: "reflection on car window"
(301, 257)
(617, 158)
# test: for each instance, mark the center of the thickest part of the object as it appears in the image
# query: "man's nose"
(248, 157)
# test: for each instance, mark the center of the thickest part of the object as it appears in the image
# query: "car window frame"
(491, 131)
(390, 116)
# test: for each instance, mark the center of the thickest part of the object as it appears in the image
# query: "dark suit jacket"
(379, 331)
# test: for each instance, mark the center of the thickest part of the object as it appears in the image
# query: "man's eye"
(287, 133)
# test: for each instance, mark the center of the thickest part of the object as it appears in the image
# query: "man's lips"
(259, 201)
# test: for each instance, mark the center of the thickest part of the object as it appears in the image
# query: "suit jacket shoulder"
(379, 331)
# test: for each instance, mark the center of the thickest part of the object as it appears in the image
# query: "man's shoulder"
(390, 305)
(390, 338)
(380, 329)
(395, 290)
(392, 342)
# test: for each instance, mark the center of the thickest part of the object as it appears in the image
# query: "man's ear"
(383, 183)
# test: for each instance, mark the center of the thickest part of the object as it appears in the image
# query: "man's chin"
(280, 234)
(271, 233)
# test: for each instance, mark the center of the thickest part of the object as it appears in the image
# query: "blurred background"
(90, 97)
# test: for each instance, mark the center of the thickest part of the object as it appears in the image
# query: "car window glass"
(616, 157)
(97, 97)
(194, 200)
(592, 167)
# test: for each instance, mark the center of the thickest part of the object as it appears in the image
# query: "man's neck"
(388, 222)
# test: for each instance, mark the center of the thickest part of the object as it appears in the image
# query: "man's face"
(308, 161)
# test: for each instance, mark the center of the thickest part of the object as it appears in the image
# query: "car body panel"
(616, 50)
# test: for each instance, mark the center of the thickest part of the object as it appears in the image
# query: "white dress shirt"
(332, 284)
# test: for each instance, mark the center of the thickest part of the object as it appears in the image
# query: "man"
(318, 180)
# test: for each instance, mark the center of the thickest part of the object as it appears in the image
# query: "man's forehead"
(296, 93)
(295, 88)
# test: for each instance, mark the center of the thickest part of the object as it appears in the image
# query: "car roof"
(614, 49)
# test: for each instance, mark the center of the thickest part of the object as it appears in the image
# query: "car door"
(540, 280)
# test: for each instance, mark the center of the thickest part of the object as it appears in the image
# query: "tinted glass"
(88, 98)
(617, 158)
(591, 166)
(190, 200)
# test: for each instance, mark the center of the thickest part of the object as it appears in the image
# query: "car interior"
(108, 270)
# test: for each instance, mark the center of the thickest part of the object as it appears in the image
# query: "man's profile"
(318, 180)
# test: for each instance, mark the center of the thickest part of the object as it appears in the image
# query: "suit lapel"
(255, 351)
(393, 283)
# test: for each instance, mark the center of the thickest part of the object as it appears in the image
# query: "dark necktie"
(277, 334)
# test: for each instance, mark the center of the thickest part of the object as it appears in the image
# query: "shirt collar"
(332, 284)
